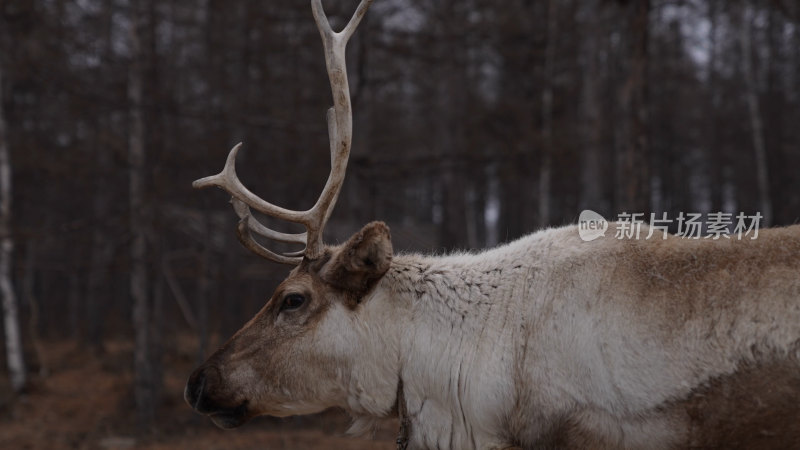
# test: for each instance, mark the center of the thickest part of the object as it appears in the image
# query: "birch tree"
(14, 352)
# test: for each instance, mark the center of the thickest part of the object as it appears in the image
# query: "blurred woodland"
(475, 122)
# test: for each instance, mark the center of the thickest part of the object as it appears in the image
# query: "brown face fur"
(290, 359)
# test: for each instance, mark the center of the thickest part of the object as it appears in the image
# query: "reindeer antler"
(340, 133)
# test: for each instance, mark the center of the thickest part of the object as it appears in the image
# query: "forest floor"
(85, 402)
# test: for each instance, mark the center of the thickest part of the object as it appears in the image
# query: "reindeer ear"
(359, 263)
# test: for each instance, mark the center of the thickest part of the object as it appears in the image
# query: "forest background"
(476, 122)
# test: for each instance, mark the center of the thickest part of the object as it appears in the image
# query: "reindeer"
(546, 342)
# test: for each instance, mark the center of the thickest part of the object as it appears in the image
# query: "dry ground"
(85, 402)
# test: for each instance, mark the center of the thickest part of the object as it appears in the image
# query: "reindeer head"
(297, 354)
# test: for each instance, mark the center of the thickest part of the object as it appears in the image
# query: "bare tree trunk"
(546, 169)
(470, 218)
(633, 178)
(102, 251)
(451, 101)
(74, 300)
(778, 158)
(156, 348)
(14, 351)
(202, 291)
(591, 187)
(716, 158)
(756, 124)
(29, 299)
(97, 283)
(476, 206)
(143, 370)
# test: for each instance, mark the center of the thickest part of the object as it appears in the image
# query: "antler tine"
(229, 181)
(243, 233)
(324, 25)
(340, 133)
(361, 11)
(340, 117)
(243, 211)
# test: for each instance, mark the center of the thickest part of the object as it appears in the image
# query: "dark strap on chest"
(405, 421)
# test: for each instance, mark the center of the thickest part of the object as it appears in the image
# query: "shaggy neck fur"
(452, 355)
(453, 320)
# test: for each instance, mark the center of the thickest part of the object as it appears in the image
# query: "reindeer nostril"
(202, 389)
(193, 394)
(198, 390)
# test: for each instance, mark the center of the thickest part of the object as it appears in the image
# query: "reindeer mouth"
(230, 418)
(227, 418)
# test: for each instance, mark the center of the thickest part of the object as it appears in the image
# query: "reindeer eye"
(292, 302)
